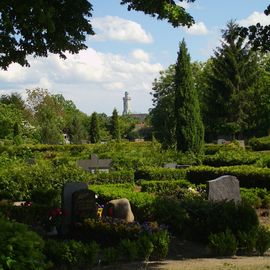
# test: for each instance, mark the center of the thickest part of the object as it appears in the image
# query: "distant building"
(140, 116)
(126, 104)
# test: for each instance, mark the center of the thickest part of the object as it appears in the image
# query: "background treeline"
(233, 90)
(44, 118)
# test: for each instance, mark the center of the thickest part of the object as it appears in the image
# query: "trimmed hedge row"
(259, 144)
(231, 158)
(248, 176)
(162, 187)
(153, 173)
(114, 177)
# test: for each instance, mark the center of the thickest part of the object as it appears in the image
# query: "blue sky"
(127, 53)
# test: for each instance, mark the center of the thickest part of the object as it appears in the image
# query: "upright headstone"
(224, 188)
(119, 208)
(67, 192)
(83, 205)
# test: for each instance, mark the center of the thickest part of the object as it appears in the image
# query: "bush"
(152, 173)
(248, 176)
(231, 158)
(256, 197)
(71, 253)
(164, 187)
(262, 240)
(20, 248)
(205, 217)
(259, 144)
(128, 250)
(247, 241)
(223, 243)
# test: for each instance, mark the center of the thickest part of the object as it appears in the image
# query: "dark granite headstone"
(224, 188)
(83, 205)
(67, 192)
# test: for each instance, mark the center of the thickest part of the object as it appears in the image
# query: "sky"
(127, 53)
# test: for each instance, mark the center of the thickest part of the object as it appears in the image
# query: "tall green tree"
(233, 71)
(162, 115)
(94, 132)
(189, 130)
(115, 126)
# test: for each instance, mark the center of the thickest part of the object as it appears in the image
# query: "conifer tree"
(115, 128)
(234, 70)
(94, 129)
(189, 126)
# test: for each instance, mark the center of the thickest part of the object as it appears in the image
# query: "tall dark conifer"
(115, 128)
(94, 131)
(189, 126)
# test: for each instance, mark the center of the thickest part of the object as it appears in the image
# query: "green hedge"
(259, 144)
(231, 158)
(114, 177)
(248, 176)
(163, 187)
(153, 173)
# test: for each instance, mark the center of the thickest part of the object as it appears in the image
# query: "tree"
(189, 130)
(162, 115)
(94, 128)
(233, 71)
(115, 127)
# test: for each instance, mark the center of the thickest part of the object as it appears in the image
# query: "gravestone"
(119, 208)
(171, 165)
(224, 188)
(95, 164)
(83, 205)
(67, 192)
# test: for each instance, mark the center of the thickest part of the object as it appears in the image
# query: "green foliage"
(152, 173)
(189, 131)
(164, 187)
(161, 242)
(115, 127)
(94, 129)
(249, 176)
(263, 240)
(128, 249)
(223, 243)
(247, 241)
(228, 81)
(206, 217)
(230, 158)
(71, 253)
(20, 249)
(256, 197)
(259, 144)
(110, 255)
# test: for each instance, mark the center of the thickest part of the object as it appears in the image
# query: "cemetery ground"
(179, 224)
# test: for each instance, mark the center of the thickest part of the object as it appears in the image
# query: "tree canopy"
(30, 27)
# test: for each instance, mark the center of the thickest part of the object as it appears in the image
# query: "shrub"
(256, 197)
(164, 187)
(71, 253)
(247, 241)
(110, 255)
(231, 158)
(160, 242)
(205, 217)
(152, 173)
(262, 240)
(145, 247)
(128, 250)
(20, 248)
(249, 176)
(259, 144)
(223, 243)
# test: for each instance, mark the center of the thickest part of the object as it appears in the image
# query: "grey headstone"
(170, 165)
(119, 208)
(83, 205)
(182, 166)
(67, 192)
(224, 188)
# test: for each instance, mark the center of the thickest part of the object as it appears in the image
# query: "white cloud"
(94, 81)
(116, 28)
(184, 4)
(140, 55)
(197, 29)
(254, 18)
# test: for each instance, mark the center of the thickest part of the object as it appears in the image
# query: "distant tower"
(126, 101)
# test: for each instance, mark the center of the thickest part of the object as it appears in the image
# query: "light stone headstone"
(224, 188)
(67, 192)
